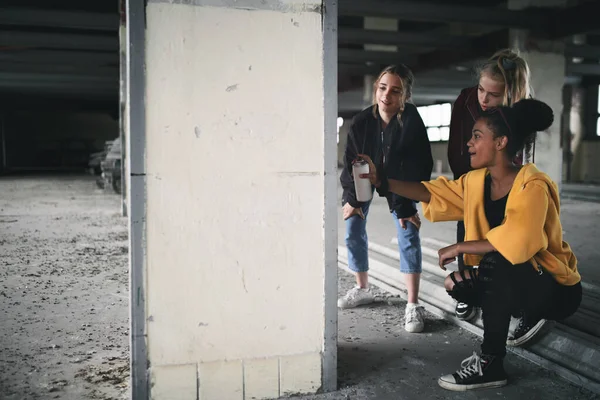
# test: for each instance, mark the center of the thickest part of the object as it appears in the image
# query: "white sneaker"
(356, 297)
(414, 321)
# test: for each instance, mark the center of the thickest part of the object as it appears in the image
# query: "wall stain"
(244, 280)
(197, 131)
(232, 88)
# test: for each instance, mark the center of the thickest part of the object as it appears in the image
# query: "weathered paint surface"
(235, 192)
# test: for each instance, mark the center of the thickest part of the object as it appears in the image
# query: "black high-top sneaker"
(476, 372)
(525, 331)
(465, 311)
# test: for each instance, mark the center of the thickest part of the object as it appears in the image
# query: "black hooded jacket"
(400, 151)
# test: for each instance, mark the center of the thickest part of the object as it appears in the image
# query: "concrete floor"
(378, 360)
(64, 320)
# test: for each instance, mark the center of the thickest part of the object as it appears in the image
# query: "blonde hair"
(508, 67)
(406, 78)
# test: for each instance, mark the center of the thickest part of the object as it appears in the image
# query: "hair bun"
(532, 115)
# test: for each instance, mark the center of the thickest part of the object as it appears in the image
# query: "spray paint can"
(362, 186)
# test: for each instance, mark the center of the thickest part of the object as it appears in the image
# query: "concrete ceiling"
(441, 41)
(59, 56)
(68, 56)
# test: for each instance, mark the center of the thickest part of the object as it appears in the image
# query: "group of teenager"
(512, 259)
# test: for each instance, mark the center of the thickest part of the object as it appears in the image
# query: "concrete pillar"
(546, 61)
(566, 132)
(233, 201)
(123, 87)
(577, 131)
(2, 145)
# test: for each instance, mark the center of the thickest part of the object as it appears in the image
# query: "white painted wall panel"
(235, 183)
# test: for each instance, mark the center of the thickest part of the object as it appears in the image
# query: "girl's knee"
(456, 277)
(462, 287)
(449, 283)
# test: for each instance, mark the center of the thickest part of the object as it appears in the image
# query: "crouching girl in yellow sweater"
(513, 233)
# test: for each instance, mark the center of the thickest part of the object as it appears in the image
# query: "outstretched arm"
(449, 254)
(411, 190)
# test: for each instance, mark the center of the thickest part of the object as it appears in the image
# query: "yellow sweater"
(531, 230)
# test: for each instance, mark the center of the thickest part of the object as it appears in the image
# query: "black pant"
(502, 289)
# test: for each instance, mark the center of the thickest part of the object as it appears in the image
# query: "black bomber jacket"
(400, 151)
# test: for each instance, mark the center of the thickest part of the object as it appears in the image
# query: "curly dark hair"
(519, 123)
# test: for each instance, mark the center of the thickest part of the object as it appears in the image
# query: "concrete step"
(567, 351)
(586, 319)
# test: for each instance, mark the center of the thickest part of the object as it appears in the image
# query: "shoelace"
(470, 366)
(413, 315)
(523, 326)
(353, 293)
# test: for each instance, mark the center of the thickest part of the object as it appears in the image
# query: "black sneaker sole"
(527, 336)
(456, 387)
(467, 316)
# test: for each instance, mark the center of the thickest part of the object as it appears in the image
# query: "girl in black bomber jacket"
(392, 133)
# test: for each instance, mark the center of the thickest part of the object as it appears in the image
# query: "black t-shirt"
(494, 209)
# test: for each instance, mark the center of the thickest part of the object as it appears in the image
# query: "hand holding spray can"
(362, 186)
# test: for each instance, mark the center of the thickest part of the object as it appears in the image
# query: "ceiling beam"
(582, 51)
(481, 46)
(71, 69)
(447, 77)
(374, 57)
(532, 19)
(82, 102)
(348, 68)
(78, 89)
(571, 21)
(59, 19)
(51, 57)
(583, 69)
(59, 84)
(404, 39)
(19, 78)
(67, 41)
